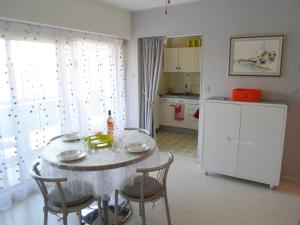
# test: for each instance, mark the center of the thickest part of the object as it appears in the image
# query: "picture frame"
(256, 55)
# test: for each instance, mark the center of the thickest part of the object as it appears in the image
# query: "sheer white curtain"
(52, 81)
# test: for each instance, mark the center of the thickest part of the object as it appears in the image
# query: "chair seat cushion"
(71, 199)
(151, 187)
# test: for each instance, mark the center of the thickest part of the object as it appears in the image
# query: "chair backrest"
(141, 130)
(42, 184)
(161, 170)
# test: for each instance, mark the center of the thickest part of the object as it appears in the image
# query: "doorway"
(177, 105)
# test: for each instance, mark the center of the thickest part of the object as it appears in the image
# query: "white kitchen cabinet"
(186, 59)
(244, 139)
(182, 60)
(198, 60)
(192, 122)
(167, 108)
(171, 60)
(166, 111)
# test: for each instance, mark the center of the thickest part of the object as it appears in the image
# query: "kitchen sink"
(184, 94)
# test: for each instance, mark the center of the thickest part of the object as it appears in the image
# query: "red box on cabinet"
(246, 94)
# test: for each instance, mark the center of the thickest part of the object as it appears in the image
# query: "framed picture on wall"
(256, 55)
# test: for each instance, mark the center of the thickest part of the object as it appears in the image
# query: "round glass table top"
(101, 159)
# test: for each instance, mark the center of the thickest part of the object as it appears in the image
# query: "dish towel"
(179, 112)
(196, 114)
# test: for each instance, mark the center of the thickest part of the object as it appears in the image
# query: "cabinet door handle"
(245, 142)
(230, 139)
(236, 140)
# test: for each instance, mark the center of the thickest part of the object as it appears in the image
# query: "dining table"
(100, 172)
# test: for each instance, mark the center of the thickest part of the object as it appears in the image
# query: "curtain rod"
(170, 35)
(63, 28)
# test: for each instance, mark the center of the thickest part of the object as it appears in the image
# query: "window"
(53, 81)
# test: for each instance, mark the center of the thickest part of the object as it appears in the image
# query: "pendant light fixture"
(167, 3)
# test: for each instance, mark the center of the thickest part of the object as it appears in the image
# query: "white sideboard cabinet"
(243, 139)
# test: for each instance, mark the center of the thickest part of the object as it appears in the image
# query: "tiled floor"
(178, 143)
(194, 199)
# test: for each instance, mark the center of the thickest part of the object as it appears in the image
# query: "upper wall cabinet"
(198, 60)
(171, 60)
(182, 60)
(186, 59)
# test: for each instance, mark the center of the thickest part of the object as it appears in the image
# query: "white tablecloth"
(99, 182)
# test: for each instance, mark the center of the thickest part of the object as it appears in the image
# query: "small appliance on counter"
(187, 89)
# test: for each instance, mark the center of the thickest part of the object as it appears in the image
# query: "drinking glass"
(118, 142)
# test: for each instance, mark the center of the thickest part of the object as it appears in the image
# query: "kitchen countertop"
(191, 96)
(229, 100)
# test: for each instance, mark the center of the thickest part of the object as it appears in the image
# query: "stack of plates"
(70, 155)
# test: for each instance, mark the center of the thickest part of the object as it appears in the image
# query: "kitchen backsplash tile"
(177, 82)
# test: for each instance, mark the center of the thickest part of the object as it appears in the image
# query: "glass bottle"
(110, 124)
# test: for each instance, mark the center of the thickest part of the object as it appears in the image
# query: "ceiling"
(135, 5)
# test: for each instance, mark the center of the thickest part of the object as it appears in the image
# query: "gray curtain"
(150, 65)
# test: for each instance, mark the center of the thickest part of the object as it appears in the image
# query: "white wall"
(132, 99)
(217, 20)
(85, 15)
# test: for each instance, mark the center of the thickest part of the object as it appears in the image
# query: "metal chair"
(59, 199)
(146, 188)
(141, 130)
